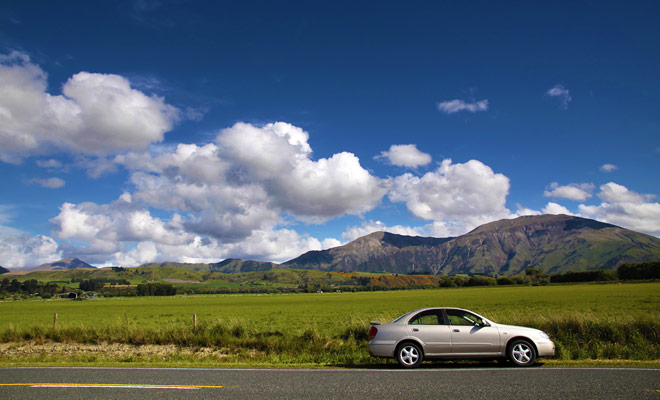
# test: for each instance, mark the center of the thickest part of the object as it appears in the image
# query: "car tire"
(409, 355)
(521, 353)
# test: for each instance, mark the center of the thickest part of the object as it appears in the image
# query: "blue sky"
(145, 131)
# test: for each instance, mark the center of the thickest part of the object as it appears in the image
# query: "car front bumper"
(545, 348)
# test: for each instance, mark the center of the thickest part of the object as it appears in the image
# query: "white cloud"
(561, 92)
(615, 193)
(20, 250)
(277, 157)
(573, 191)
(405, 155)
(454, 106)
(623, 207)
(225, 199)
(264, 245)
(120, 221)
(114, 116)
(143, 253)
(50, 183)
(460, 196)
(329, 243)
(608, 168)
(97, 113)
(367, 227)
(556, 209)
(522, 211)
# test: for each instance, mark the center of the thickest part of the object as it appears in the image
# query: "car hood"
(517, 328)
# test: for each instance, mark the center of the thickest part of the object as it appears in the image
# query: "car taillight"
(372, 332)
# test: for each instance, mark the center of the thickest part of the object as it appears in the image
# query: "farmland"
(588, 321)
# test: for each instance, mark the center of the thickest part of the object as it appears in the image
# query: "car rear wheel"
(521, 353)
(409, 355)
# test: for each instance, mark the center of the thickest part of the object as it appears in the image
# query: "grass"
(606, 323)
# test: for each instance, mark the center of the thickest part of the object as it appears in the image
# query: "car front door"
(430, 328)
(471, 335)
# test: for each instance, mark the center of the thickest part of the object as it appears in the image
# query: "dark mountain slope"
(551, 243)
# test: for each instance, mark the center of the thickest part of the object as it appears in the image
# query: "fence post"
(194, 322)
(55, 321)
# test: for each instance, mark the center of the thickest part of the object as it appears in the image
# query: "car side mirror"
(483, 324)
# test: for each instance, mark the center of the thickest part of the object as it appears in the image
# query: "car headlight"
(544, 335)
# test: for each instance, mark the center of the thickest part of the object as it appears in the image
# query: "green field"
(587, 321)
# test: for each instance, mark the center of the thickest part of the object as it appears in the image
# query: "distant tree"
(505, 280)
(480, 280)
(585, 276)
(92, 285)
(644, 270)
(155, 289)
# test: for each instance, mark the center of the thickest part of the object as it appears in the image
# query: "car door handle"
(457, 330)
(415, 330)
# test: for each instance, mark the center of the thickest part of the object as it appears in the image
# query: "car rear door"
(430, 328)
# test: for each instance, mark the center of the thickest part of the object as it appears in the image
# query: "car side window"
(427, 318)
(457, 317)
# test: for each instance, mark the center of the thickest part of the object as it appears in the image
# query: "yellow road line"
(112, 386)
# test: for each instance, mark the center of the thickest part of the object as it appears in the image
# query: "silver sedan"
(455, 333)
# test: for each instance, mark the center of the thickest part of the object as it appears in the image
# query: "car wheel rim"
(409, 355)
(522, 353)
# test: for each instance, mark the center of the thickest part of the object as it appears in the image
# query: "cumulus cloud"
(405, 155)
(50, 183)
(367, 227)
(330, 243)
(458, 196)
(561, 92)
(227, 198)
(277, 156)
(119, 221)
(265, 245)
(96, 114)
(573, 191)
(454, 106)
(623, 207)
(522, 211)
(556, 209)
(21, 250)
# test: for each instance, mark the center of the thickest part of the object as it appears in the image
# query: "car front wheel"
(409, 355)
(521, 353)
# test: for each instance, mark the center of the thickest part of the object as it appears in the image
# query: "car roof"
(439, 308)
(410, 313)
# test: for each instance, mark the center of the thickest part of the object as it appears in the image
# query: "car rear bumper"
(377, 349)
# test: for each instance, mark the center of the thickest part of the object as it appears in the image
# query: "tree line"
(29, 287)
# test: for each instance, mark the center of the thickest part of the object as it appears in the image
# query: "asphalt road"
(428, 383)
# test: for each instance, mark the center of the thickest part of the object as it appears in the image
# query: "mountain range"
(63, 264)
(549, 243)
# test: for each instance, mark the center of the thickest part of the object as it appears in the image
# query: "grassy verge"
(606, 324)
(232, 343)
